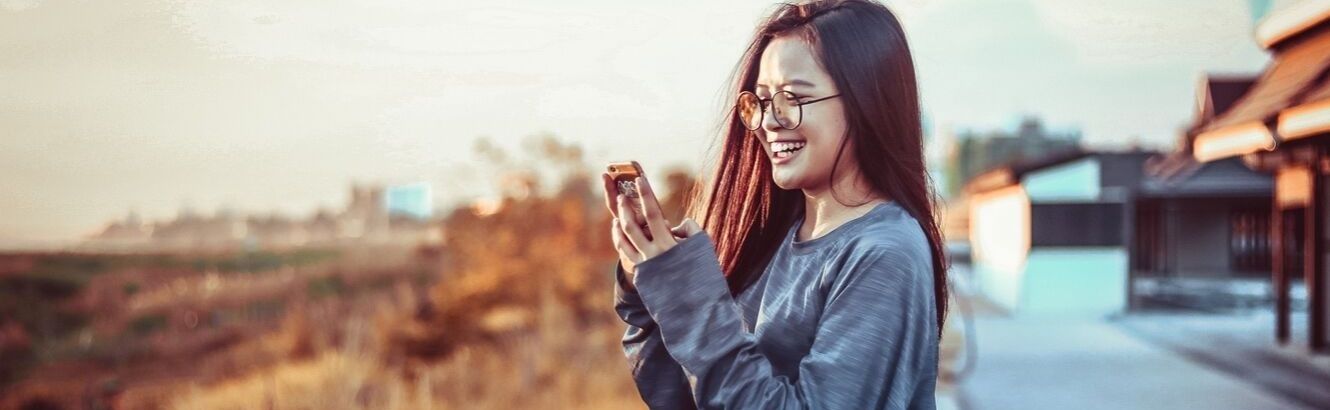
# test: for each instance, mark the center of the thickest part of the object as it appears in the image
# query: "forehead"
(788, 58)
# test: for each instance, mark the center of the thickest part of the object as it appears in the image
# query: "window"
(1249, 240)
(1092, 224)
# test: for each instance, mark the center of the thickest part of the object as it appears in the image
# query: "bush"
(147, 324)
(326, 286)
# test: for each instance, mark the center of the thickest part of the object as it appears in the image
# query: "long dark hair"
(862, 46)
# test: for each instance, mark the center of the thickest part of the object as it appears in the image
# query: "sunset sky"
(258, 106)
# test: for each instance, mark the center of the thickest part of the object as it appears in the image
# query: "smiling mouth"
(786, 149)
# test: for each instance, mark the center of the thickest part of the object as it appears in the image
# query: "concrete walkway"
(1089, 363)
(1242, 345)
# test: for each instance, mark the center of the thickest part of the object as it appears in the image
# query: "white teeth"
(786, 146)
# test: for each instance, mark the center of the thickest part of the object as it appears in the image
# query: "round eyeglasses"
(786, 107)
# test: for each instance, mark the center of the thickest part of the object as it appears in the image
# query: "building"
(1281, 125)
(1200, 237)
(1048, 236)
(1102, 232)
(1201, 234)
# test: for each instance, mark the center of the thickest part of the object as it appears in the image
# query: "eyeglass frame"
(763, 103)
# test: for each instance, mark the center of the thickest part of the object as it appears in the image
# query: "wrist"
(625, 278)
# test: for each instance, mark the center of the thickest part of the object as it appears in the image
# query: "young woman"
(820, 278)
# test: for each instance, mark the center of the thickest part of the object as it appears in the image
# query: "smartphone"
(624, 175)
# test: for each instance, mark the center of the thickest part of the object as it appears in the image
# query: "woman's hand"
(627, 233)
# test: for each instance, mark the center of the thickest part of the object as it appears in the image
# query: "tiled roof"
(1294, 73)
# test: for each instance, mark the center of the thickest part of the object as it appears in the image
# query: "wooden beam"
(1290, 20)
(1303, 121)
(1129, 243)
(1314, 257)
(1279, 279)
(1240, 139)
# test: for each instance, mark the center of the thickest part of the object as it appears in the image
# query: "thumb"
(693, 226)
(681, 230)
(687, 228)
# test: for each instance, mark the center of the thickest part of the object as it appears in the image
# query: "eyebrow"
(795, 82)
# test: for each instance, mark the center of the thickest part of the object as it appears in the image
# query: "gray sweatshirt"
(843, 321)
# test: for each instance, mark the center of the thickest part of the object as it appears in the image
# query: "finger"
(621, 205)
(651, 208)
(611, 191)
(615, 232)
(621, 243)
(631, 229)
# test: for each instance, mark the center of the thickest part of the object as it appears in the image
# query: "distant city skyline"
(373, 214)
(254, 105)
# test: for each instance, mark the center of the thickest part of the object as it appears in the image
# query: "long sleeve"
(875, 345)
(660, 380)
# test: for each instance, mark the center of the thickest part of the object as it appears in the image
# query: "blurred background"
(356, 204)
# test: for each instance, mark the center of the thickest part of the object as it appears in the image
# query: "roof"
(1290, 75)
(1216, 94)
(1180, 175)
(1291, 21)
(1298, 76)
(1117, 169)
(1320, 92)
(1010, 173)
(1148, 173)
(1223, 92)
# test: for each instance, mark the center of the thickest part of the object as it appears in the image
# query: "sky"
(261, 106)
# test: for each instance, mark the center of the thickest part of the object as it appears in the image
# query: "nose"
(769, 123)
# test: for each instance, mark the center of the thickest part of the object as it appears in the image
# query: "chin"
(787, 180)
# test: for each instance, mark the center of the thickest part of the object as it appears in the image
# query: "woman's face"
(788, 63)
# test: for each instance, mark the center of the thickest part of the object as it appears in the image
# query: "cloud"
(18, 5)
(1144, 32)
(411, 33)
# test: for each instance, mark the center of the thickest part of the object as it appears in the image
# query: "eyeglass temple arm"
(820, 99)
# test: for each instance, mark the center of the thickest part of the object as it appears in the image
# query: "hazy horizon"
(264, 106)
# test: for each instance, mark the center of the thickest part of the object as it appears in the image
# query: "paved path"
(1087, 363)
(1242, 345)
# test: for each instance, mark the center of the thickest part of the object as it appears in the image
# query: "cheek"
(826, 134)
(825, 143)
